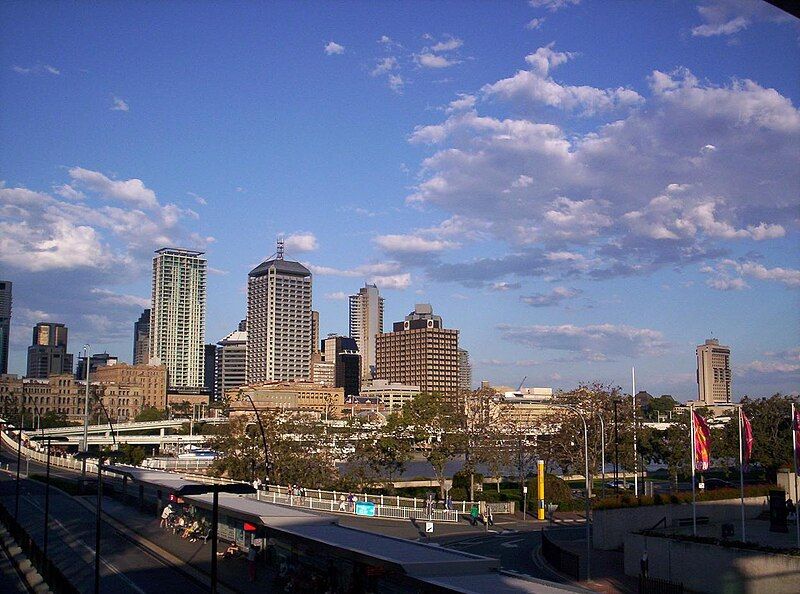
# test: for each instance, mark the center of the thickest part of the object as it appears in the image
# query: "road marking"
(69, 539)
(512, 544)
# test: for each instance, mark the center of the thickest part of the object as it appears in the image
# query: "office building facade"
(342, 352)
(713, 373)
(96, 361)
(464, 371)
(178, 315)
(5, 323)
(48, 354)
(141, 339)
(366, 322)
(231, 363)
(150, 379)
(420, 352)
(279, 332)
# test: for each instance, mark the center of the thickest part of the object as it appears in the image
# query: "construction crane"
(522, 383)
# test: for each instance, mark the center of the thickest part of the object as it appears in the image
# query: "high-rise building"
(95, 362)
(141, 339)
(420, 352)
(713, 372)
(242, 325)
(150, 379)
(48, 354)
(315, 344)
(278, 321)
(366, 322)
(231, 363)
(343, 353)
(178, 316)
(5, 323)
(464, 370)
(210, 368)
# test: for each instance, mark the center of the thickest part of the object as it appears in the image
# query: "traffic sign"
(429, 527)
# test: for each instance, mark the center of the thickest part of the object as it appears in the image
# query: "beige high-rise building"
(279, 327)
(366, 322)
(464, 370)
(178, 315)
(231, 363)
(420, 352)
(713, 372)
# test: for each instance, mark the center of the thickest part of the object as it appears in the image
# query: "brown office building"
(420, 352)
(151, 379)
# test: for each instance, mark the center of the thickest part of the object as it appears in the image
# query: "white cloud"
(727, 17)
(393, 281)
(121, 300)
(534, 24)
(37, 69)
(337, 296)
(131, 191)
(447, 45)
(724, 270)
(504, 286)
(463, 102)
(593, 341)
(365, 270)
(333, 48)
(396, 83)
(197, 198)
(120, 105)
(385, 65)
(553, 5)
(523, 181)
(301, 242)
(431, 60)
(412, 244)
(555, 297)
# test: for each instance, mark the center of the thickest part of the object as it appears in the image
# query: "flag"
(747, 439)
(702, 442)
(796, 427)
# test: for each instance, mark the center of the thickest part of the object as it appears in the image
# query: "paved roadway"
(125, 568)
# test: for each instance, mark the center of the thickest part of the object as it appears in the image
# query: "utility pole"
(616, 449)
(635, 445)
(85, 443)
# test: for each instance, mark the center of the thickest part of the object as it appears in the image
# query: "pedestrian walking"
(489, 516)
(165, 514)
(449, 502)
(644, 565)
(474, 512)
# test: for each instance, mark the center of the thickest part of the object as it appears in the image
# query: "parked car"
(618, 484)
(715, 483)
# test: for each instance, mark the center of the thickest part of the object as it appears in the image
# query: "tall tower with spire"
(279, 327)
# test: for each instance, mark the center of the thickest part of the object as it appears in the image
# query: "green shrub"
(461, 479)
(556, 490)
(459, 494)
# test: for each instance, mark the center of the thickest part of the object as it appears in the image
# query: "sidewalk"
(608, 572)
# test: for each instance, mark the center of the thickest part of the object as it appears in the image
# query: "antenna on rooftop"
(279, 255)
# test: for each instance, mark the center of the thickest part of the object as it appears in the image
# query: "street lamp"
(263, 437)
(19, 463)
(108, 418)
(49, 439)
(586, 466)
(100, 457)
(602, 452)
(201, 489)
(85, 444)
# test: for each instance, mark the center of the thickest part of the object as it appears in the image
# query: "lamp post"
(616, 450)
(85, 443)
(586, 472)
(602, 452)
(263, 436)
(48, 439)
(19, 459)
(98, 520)
(108, 418)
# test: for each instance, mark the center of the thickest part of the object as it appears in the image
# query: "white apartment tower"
(231, 362)
(713, 372)
(366, 321)
(178, 316)
(279, 326)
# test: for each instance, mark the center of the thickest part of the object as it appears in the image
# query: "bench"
(701, 520)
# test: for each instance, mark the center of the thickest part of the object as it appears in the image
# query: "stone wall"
(611, 525)
(713, 569)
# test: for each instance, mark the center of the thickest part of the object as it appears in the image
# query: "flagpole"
(635, 449)
(741, 474)
(795, 453)
(694, 501)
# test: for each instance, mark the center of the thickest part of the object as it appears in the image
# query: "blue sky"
(577, 186)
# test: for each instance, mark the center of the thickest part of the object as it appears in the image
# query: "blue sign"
(365, 508)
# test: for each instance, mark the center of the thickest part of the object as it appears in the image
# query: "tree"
(150, 413)
(671, 447)
(434, 423)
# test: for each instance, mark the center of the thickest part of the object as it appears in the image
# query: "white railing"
(176, 464)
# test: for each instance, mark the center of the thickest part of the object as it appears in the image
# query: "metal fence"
(561, 559)
(651, 585)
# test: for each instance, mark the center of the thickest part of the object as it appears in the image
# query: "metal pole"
(19, 457)
(214, 521)
(616, 449)
(694, 496)
(85, 444)
(795, 430)
(97, 525)
(741, 475)
(588, 525)
(602, 454)
(263, 437)
(47, 501)
(635, 445)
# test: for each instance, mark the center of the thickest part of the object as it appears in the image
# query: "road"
(126, 568)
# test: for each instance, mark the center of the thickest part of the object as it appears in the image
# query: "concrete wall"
(713, 569)
(611, 525)
(786, 480)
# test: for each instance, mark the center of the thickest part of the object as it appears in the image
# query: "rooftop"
(280, 265)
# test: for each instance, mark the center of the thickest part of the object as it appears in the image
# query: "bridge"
(136, 426)
(138, 439)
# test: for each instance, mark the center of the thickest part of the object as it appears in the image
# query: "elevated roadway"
(137, 426)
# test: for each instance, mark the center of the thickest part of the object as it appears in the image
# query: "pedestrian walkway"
(608, 571)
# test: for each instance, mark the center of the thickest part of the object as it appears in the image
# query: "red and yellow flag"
(702, 443)
(747, 439)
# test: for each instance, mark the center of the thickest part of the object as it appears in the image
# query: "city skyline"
(433, 160)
